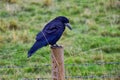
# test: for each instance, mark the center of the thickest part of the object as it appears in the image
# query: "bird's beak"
(68, 25)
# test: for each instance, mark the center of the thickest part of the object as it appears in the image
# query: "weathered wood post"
(57, 55)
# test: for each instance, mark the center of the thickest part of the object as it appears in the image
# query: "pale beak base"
(68, 25)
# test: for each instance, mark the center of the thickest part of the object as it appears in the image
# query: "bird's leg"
(55, 45)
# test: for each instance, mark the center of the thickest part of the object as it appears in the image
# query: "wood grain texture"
(57, 55)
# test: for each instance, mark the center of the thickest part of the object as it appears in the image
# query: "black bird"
(50, 34)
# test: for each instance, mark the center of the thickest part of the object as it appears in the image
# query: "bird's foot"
(56, 46)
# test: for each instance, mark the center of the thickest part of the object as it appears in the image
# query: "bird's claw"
(56, 46)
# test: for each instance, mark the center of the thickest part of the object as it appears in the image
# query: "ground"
(94, 40)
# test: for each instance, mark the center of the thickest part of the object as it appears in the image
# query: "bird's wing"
(49, 30)
(39, 36)
(52, 29)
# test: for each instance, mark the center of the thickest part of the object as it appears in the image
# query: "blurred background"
(92, 48)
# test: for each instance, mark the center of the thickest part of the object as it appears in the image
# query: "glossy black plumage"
(50, 34)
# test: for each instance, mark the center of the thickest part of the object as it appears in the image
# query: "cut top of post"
(54, 47)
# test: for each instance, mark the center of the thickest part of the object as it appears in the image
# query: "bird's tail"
(34, 48)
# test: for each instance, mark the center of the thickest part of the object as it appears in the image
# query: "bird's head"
(65, 21)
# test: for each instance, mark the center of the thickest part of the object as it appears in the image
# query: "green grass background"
(95, 37)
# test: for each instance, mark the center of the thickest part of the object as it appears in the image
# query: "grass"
(95, 37)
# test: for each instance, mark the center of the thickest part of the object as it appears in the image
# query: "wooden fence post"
(57, 55)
